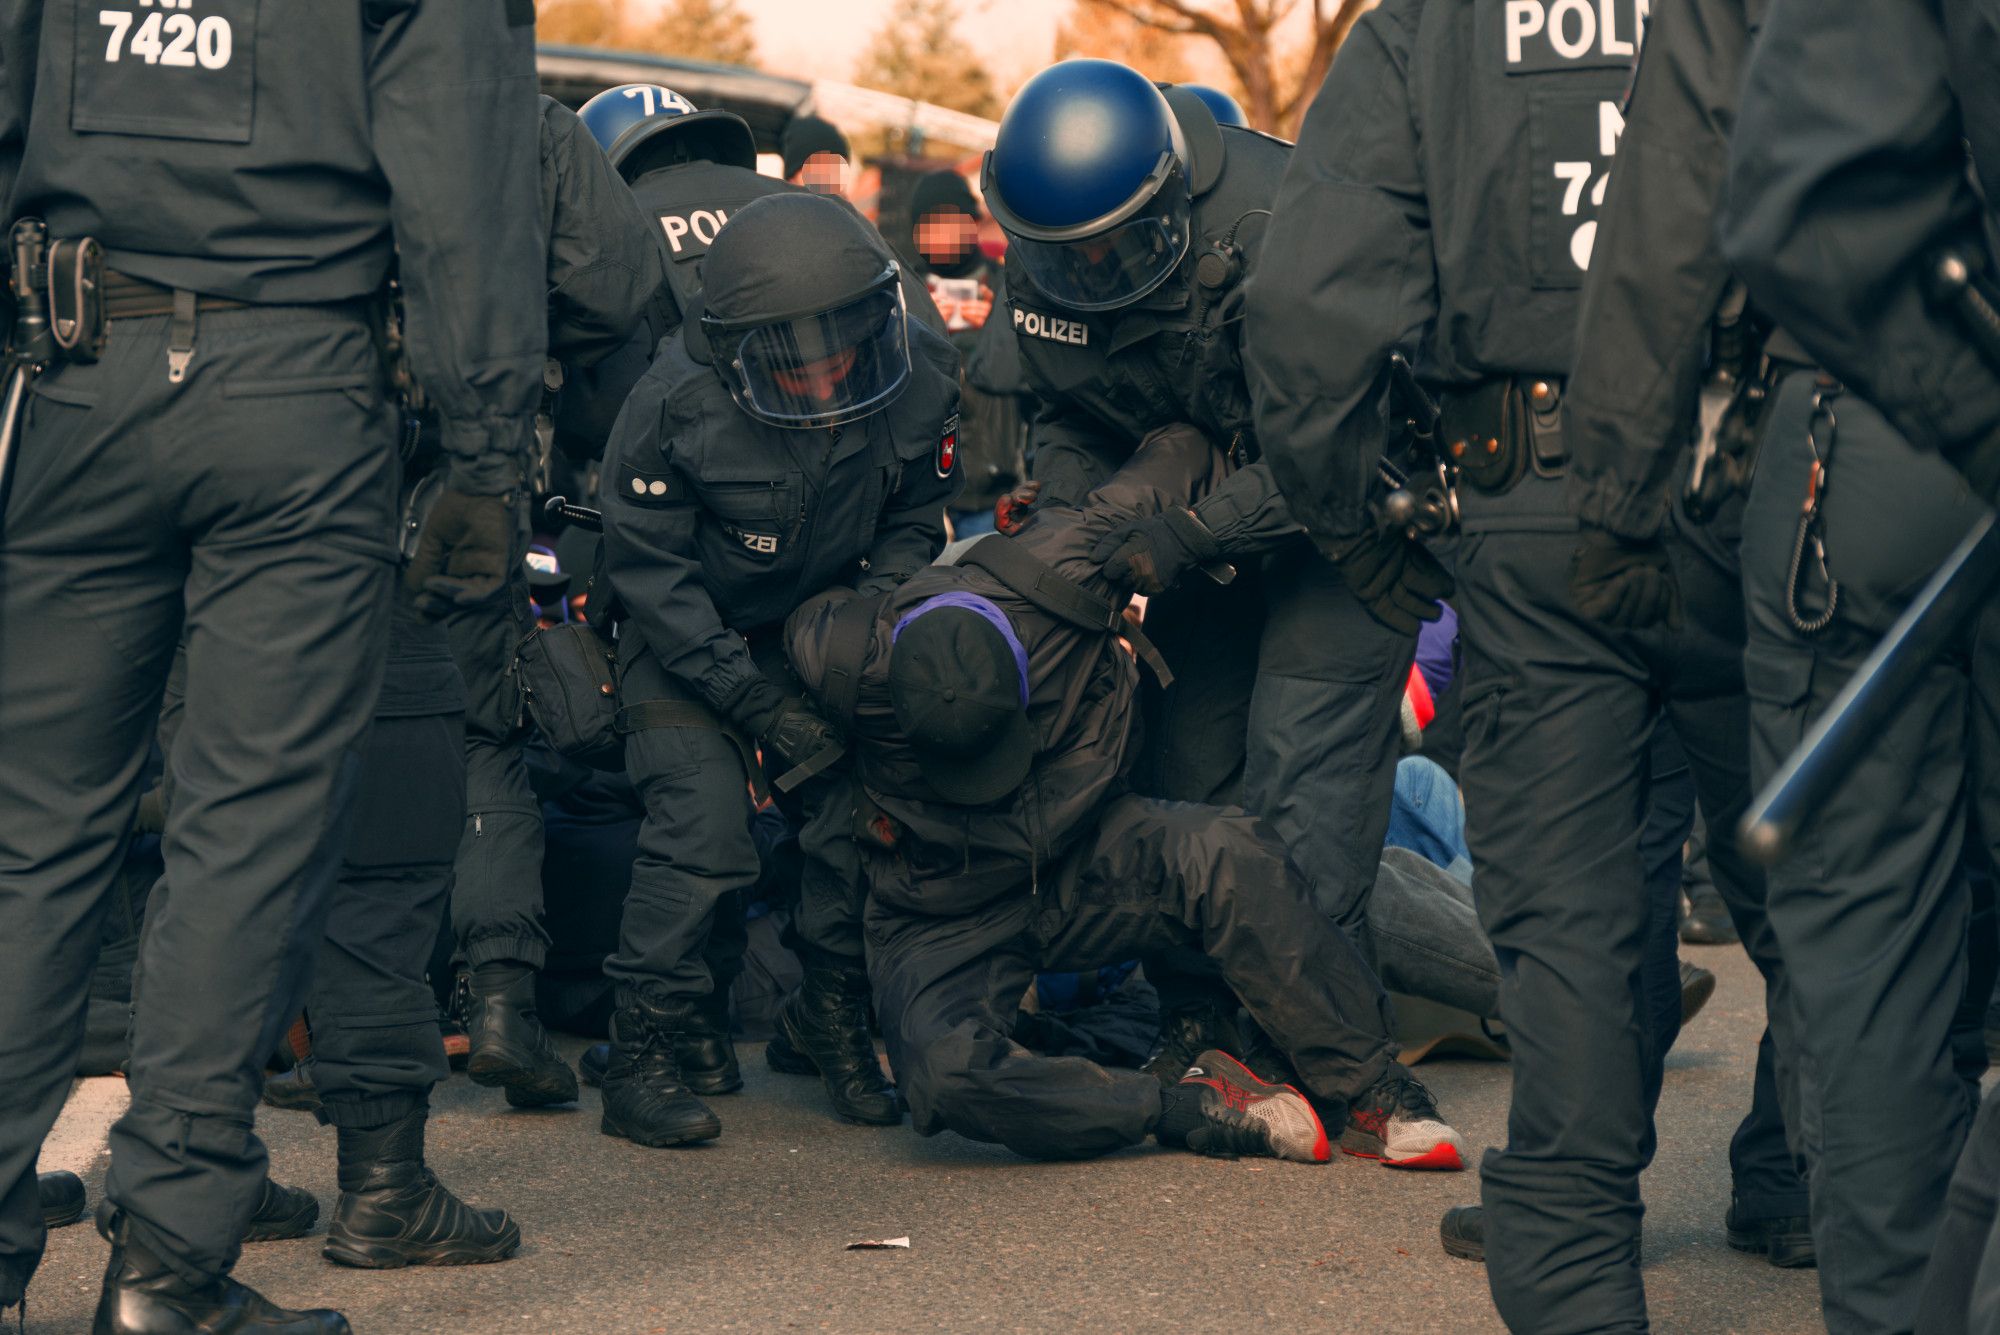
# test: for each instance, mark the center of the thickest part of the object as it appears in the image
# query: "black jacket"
(1656, 276)
(1441, 203)
(289, 154)
(604, 265)
(716, 524)
(1848, 169)
(951, 859)
(1106, 379)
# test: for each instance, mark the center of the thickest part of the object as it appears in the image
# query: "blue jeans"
(1428, 817)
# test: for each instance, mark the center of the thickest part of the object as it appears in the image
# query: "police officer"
(1849, 178)
(604, 267)
(993, 709)
(1464, 248)
(227, 466)
(1135, 223)
(1226, 109)
(800, 435)
(1664, 334)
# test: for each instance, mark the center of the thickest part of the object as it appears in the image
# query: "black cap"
(936, 192)
(956, 687)
(807, 135)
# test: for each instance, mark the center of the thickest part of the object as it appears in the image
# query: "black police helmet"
(795, 283)
(1089, 179)
(644, 126)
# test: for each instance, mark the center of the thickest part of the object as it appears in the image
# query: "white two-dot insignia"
(657, 487)
(639, 485)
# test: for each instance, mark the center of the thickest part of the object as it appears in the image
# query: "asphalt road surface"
(750, 1232)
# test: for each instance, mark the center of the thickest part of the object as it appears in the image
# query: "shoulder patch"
(947, 449)
(658, 490)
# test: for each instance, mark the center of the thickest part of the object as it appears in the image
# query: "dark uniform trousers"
(683, 933)
(496, 900)
(376, 1049)
(1560, 717)
(1872, 911)
(1153, 876)
(250, 507)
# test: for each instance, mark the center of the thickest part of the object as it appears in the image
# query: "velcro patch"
(947, 450)
(655, 489)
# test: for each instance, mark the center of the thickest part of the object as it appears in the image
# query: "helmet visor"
(1115, 267)
(822, 370)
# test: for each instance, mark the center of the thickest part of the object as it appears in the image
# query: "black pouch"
(1485, 435)
(568, 677)
(76, 298)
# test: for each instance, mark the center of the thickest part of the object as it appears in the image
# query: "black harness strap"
(1060, 596)
(853, 625)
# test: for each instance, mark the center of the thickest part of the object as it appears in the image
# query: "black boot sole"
(528, 1085)
(295, 1225)
(694, 1132)
(372, 1254)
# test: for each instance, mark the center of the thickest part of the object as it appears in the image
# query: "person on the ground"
(991, 706)
(1135, 225)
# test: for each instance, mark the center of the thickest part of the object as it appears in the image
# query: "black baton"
(1879, 690)
(558, 507)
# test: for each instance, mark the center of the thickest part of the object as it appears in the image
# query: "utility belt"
(1497, 432)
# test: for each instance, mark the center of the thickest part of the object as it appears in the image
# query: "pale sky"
(822, 39)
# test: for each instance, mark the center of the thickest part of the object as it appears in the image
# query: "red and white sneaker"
(1220, 1107)
(1397, 1122)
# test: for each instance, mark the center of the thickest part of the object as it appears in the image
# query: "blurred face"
(824, 174)
(817, 381)
(946, 236)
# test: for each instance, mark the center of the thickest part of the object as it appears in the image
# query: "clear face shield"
(821, 369)
(1120, 264)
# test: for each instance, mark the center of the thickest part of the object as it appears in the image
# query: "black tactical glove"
(1150, 555)
(797, 732)
(1623, 584)
(787, 724)
(1396, 579)
(463, 552)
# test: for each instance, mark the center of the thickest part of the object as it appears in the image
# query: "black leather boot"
(510, 1049)
(646, 1100)
(707, 1056)
(825, 1023)
(145, 1296)
(394, 1212)
(63, 1198)
(282, 1212)
(292, 1090)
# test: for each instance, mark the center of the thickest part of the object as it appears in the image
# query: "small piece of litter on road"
(878, 1244)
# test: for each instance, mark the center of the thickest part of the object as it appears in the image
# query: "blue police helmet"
(1226, 109)
(643, 126)
(1089, 179)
